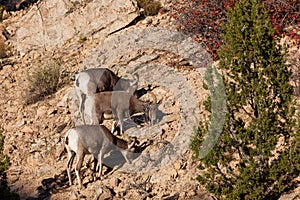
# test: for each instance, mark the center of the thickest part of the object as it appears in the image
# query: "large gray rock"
(50, 23)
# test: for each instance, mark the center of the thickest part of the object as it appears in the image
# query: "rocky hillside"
(101, 33)
(111, 36)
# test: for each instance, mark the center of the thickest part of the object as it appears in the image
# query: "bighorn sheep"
(94, 80)
(96, 140)
(120, 103)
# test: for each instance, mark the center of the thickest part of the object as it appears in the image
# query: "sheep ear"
(135, 79)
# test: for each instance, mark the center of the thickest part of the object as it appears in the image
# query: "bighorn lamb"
(122, 104)
(96, 140)
(94, 80)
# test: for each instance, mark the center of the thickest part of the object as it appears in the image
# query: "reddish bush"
(202, 19)
(284, 14)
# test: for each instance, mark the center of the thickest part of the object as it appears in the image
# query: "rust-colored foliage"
(202, 19)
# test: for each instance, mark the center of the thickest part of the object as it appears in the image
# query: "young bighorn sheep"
(94, 80)
(120, 104)
(96, 140)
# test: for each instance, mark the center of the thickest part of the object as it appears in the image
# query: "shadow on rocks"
(52, 186)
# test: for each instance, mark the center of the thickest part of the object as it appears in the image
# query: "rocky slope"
(34, 132)
(111, 36)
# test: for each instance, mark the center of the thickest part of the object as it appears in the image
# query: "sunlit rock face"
(52, 23)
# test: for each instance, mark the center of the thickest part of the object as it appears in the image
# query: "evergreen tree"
(4, 164)
(257, 153)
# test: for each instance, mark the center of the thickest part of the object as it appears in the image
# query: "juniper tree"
(257, 155)
(4, 164)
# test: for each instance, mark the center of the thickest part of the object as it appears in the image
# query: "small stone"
(52, 111)
(14, 178)
(11, 148)
(156, 21)
(171, 118)
(99, 191)
(148, 20)
(121, 192)
(114, 182)
(41, 111)
(20, 123)
(73, 196)
(12, 109)
(157, 178)
(27, 129)
(191, 193)
(182, 195)
(177, 165)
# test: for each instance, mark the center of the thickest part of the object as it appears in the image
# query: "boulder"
(51, 23)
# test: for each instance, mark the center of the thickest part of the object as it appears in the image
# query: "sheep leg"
(81, 96)
(85, 89)
(80, 157)
(114, 126)
(91, 159)
(90, 110)
(82, 107)
(100, 158)
(95, 168)
(71, 155)
(120, 121)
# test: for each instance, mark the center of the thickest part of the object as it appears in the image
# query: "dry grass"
(43, 81)
(3, 49)
(150, 7)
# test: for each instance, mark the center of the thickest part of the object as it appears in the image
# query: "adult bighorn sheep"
(122, 103)
(94, 80)
(96, 140)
